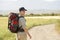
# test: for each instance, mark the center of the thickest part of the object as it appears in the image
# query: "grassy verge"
(5, 34)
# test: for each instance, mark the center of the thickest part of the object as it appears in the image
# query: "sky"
(30, 4)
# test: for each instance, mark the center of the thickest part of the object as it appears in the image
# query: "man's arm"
(26, 31)
(23, 23)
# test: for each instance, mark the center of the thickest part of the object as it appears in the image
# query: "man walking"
(23, 32)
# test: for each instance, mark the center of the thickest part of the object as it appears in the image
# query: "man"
(22, 34)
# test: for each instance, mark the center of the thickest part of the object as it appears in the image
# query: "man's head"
(22, 11)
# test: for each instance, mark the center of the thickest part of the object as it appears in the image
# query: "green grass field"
(5, 34)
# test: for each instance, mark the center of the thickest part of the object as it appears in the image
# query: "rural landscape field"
(42, 18)
(5, 34)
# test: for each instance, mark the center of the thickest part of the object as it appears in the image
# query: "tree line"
(32, 14)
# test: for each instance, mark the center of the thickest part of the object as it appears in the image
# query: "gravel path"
(46, 32)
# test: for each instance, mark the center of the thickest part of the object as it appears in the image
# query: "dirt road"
(46, 32)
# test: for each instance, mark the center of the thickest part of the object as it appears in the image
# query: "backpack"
(13, 23)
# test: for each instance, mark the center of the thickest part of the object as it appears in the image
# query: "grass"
(5, 34)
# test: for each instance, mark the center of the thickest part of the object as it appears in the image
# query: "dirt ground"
(45, 32)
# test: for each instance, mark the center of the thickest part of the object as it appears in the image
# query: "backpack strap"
(19, 29)
(21, 16)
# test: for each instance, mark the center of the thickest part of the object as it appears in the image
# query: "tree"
(31, 14)
(1, 15)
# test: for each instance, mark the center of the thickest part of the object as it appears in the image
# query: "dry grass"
(5, 34)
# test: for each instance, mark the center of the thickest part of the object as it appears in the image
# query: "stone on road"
(46, 32)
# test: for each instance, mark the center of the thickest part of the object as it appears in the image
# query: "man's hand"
(30, 36)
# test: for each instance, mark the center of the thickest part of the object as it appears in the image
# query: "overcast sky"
(29, 4)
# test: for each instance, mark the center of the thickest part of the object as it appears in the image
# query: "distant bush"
(31, 14)
(1, 15)
(5, 16)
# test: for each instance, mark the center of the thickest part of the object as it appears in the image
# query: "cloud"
(51, 0)
(8, 0)
(28, 4)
